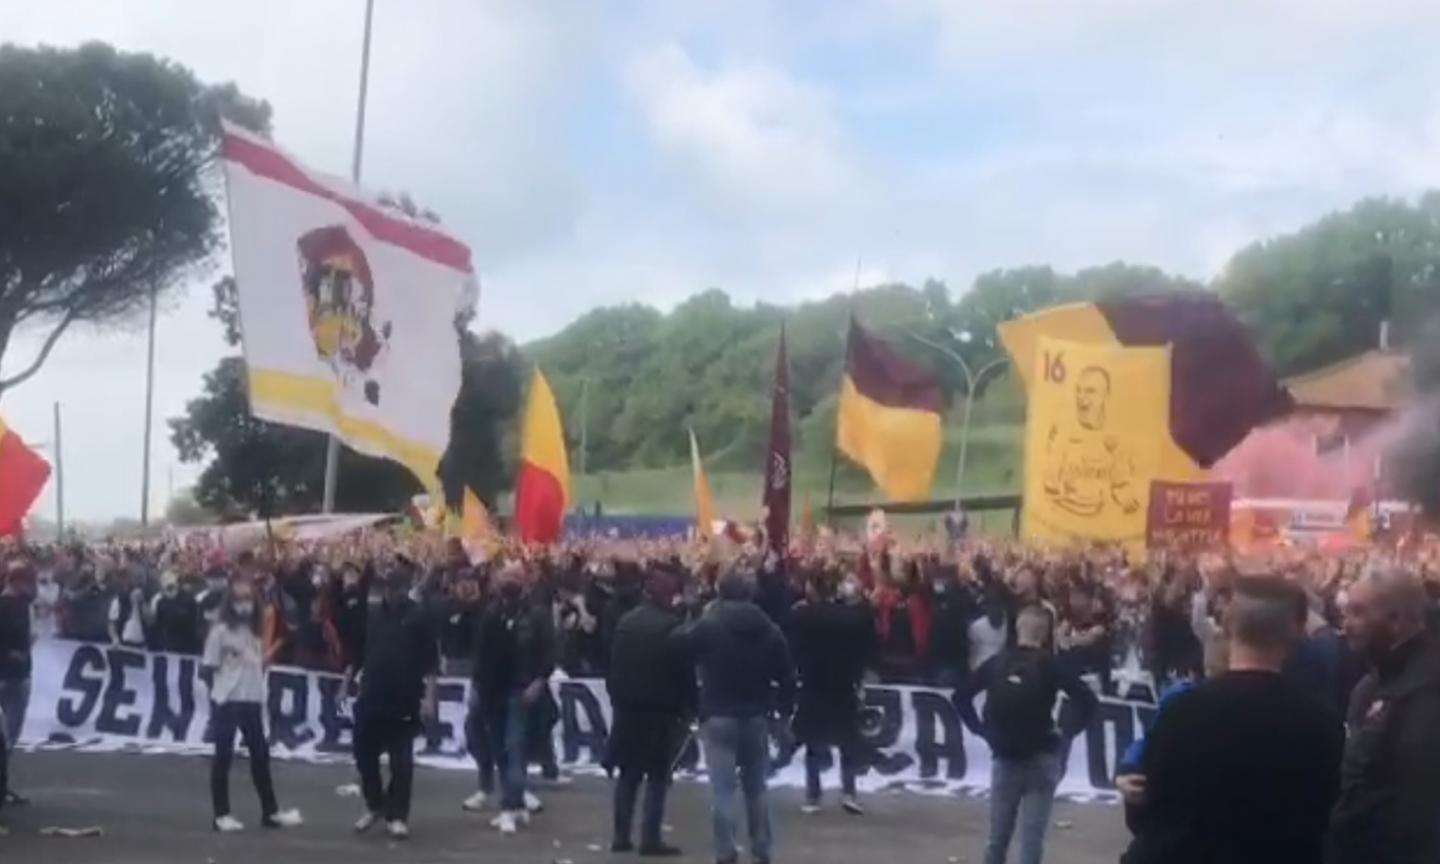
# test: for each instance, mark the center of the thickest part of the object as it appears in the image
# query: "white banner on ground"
(103, 698)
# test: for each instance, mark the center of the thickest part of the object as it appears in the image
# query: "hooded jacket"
(743, 661)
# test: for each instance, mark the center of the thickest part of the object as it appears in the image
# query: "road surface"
(155, 810)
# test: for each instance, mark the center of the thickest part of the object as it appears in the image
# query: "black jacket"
(648, 669)
(516, 647)
(1022, 725)
(743, 660)
(831, 642)
(1388, 811)
(14, 637)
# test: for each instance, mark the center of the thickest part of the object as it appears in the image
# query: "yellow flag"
(1098, 417)
(704, 503)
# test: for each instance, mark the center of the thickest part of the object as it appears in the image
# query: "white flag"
(347, 308)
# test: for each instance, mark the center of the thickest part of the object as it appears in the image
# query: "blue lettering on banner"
(111, 697)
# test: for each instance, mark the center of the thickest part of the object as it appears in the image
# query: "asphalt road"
(155, 810)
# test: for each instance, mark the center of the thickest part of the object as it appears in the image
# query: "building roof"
(1373, 381)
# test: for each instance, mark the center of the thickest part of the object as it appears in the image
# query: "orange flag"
(704, 502)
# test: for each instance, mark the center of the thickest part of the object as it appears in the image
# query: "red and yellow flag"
(542, 490)
(889, 416)
(704, 502)
(23, 473)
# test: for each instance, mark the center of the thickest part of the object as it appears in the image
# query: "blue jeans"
(1023, 788)
(738, 744)
(507, 746)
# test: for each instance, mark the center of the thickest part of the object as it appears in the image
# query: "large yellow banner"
(1096, 436)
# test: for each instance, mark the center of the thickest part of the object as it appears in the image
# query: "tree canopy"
(1318, 295)
(104, 160)
(647, 376)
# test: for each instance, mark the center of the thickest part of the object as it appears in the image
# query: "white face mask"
(244, 608)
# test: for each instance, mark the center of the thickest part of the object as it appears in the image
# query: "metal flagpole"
(149, 405)
(332, 451)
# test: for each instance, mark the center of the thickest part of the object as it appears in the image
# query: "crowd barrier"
(104, 698)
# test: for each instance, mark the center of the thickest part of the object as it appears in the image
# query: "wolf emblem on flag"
(340, 300)
(347, 307)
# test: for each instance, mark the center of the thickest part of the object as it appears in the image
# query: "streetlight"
(972, 381)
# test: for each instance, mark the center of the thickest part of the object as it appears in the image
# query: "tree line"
(111, 198)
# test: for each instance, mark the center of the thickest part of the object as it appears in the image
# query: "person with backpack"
(1020, 686)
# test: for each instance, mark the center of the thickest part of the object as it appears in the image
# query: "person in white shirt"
(236, 661)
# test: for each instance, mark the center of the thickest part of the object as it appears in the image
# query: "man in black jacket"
(1241, 768)
(1020, 686)
(397, 695)
(745, 676)
(1388, 811)
(832, 642)
(515, 656)
(652, 693)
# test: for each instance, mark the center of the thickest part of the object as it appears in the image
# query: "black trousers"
(244, 717)
(646, 747)
(381, 732)
(817, 754)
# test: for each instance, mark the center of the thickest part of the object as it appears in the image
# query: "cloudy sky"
(600, 152)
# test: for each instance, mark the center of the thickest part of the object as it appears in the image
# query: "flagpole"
(332, 450)
(149, 411)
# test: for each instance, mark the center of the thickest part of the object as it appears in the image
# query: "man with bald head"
(1389, 806)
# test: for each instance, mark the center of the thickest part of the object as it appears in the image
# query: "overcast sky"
(600, 152)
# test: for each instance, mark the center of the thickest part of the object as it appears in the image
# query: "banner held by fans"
(1096, 417)
(347, 308)
(103, 698)
(1188, 515)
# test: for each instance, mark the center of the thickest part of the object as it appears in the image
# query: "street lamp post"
(972, 381)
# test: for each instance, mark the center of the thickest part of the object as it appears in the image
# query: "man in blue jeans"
(1020, 686)
(745, 675)
(514, 657)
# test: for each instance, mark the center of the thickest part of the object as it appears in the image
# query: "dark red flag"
(777, 460)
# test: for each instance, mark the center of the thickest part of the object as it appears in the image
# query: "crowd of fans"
(940, 607)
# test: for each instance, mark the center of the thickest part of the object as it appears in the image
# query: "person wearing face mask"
(236, 661)
(954, 607)
(173, 616)
(351, 611)
(397, 696)
(831, 642)
(514, 657)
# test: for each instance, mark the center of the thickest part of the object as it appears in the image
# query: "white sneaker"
(228, 824)
(506, 822)
(810, 808)
(364, 823)
(532, 803)
(475, 803)
(850, 804)
(398, 830)
(284, 819)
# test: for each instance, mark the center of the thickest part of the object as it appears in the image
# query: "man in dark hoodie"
(652, 693)
(1388, 811)
(745, 676)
